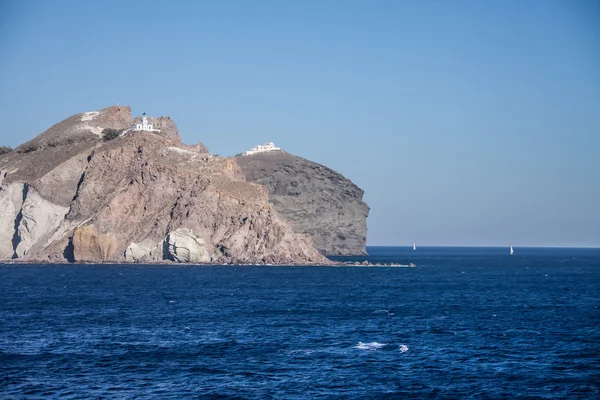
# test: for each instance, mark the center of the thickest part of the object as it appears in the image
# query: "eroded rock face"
(91, 246)
(39, 217)
(184, 246)
(11, 200)
(143, 188)
(315, 199)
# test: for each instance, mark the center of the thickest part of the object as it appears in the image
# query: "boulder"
(184, 246)
(136, 252)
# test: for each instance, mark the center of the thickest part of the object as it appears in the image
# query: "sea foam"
(369, 346)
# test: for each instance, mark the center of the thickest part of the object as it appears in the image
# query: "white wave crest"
(403, 348)
(369, 346)
(303, 352)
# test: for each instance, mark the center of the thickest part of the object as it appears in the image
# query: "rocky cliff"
(315, 199)
(68, 195)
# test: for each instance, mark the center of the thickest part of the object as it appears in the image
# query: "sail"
(414, 247)
(511, 250)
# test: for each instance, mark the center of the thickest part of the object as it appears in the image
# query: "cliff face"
(142, 197)
(315, 199)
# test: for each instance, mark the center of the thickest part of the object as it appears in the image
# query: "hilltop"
(315, 200)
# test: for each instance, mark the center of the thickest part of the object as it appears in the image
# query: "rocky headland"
(315, 200)
(91, 189)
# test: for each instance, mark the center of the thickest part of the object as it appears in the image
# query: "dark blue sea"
(464, 323)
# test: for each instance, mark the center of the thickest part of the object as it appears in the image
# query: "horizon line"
(494, 246)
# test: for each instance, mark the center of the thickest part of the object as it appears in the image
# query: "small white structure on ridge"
(261, 148)
(144, 126)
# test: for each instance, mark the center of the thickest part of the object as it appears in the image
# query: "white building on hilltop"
(261, 148)
(144, 126)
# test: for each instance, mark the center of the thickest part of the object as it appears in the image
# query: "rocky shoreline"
(209, 264)
(369, 264)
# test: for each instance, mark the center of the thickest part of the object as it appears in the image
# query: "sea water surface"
(464, 323)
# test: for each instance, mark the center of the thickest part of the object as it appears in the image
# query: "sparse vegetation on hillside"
(27, 148)
(5, 149)
(36, 145)
(110, 133)
(54, 143)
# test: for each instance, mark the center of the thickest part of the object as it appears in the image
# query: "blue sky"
(465, 122)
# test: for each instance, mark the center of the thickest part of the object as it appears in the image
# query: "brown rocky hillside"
(68, 195)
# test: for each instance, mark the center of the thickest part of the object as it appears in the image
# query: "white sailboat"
(511, 250)
(414, 247)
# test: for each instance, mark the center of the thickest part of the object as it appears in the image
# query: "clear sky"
(465, 122)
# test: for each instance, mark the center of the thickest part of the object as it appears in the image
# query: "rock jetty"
(370, 264)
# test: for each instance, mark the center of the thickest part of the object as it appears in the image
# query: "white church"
(261, 148)
(144, 126)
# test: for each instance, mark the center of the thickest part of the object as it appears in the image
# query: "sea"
(464, 323)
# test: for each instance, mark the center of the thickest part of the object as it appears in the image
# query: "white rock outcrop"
(182, 245)
(39, 217)
(11, 200)
(136, 252)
